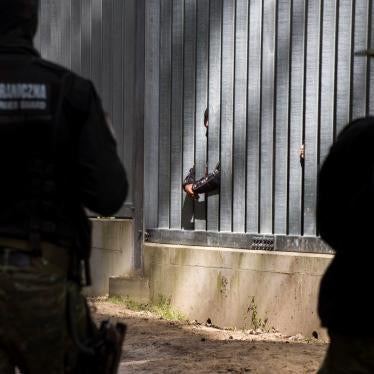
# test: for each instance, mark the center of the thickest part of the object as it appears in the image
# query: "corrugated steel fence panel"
(97, 38)
(275, 75)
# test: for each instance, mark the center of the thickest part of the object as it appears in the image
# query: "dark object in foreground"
(102, 353)
(57, 157)
(345, 216)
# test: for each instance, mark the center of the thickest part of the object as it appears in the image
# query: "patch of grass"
(161, 306)
(128, 302)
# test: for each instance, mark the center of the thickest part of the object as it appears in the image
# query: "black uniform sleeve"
(209, 183)
(102, 178)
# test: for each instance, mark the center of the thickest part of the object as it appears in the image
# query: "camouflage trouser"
(349, 355)
(33, 319)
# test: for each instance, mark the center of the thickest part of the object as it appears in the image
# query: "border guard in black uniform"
(57, 156)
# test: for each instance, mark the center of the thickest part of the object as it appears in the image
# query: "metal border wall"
(275, 75)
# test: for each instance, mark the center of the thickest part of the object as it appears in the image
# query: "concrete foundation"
(239, 288)
(136, 288)
(112, 253)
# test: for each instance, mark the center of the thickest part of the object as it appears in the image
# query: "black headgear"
(19, 15)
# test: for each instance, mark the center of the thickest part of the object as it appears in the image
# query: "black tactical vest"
(38, 147)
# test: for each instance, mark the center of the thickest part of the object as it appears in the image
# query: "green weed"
(161, 306)
(256, 321)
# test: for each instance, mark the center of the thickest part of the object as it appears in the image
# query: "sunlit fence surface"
(275, 75)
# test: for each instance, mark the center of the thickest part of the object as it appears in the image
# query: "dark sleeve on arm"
(102, 178)
(209, 183)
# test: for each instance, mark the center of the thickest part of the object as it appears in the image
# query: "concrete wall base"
(112, 253)
(135, 288)
(239, 288)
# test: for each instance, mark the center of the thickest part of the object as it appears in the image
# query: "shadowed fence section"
(97, 38)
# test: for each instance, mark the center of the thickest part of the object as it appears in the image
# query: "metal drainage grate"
(262, 243)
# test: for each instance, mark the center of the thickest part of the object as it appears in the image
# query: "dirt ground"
(154, 345)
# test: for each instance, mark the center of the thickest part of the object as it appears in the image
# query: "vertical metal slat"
(370, 88)
(202, 53)
(151, 112)
(227, 113)
(267, 118)
(65, 32)
(128, 149)
(328, 61)
(54, 52)
(86, 37)
(343, 78)
(107, 55)
(117, 76)
(311, 116)
(254, 121)
(296, 121)
(97, 44)
(176, 115)
(282, 116)
(45, 28)
(214, 104)
(165, 107)
(76, 37)
(189, 106)
(240, 116)
(360, 41)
